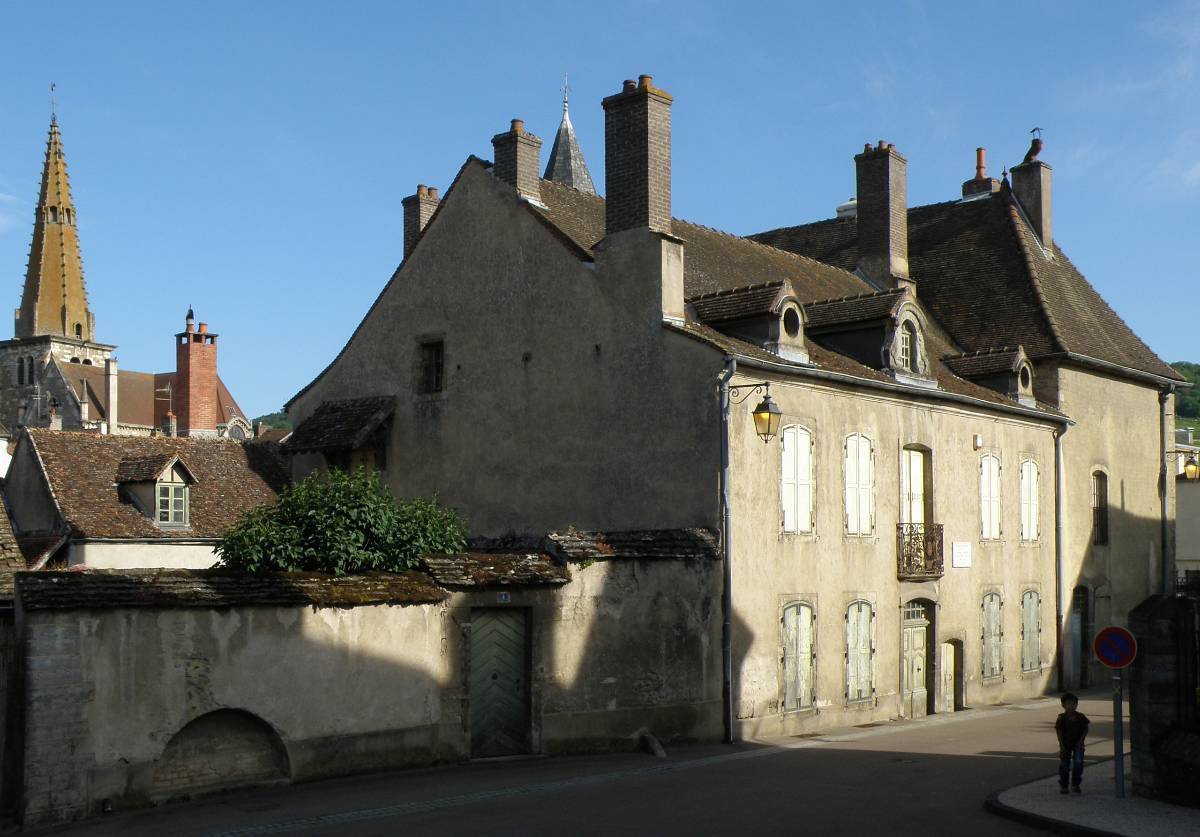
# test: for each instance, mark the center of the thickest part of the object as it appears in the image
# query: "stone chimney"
(1031, 186)
(639, 251)
(637, 158)
(883, 215)
(418, 209)
(980, 184)
(195, 391)
(110, 394)
(518, 160)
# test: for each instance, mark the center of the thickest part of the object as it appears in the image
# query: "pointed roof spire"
(566, 164)
(54, 300)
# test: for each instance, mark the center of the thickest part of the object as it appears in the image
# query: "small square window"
(172, 505)
(432, 371)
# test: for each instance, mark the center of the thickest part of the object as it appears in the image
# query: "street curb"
(995, 806)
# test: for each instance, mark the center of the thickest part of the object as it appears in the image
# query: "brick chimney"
(1031, 186)
(637, 158)
(639, 251)
(110, 394)
(195, 393)
(418, 209)
(980, 184)
(883, 215)
(518, 160)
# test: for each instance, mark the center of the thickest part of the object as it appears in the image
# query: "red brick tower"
(195, 396)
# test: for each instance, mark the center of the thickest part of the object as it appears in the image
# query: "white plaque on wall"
(960, 554)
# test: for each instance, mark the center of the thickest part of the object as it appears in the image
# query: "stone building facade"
(53, 372)
(966, 474)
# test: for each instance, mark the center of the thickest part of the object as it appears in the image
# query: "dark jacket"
(1071, 730)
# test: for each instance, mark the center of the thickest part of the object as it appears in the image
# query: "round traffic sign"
(1115, 647)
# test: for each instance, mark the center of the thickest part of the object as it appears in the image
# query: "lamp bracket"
(741, 392)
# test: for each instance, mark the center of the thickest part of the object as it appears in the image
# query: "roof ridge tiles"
(774, 283)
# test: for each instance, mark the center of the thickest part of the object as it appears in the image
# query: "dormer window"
(908, 347)
(160, 486)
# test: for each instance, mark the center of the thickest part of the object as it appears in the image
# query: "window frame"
(861, 489)
(802, 699)
(431, 366)
(989, 498)
(855, 654)
(992, 641)
(1030, 501)
(803, 516)
(177, 493)
(1100, 521)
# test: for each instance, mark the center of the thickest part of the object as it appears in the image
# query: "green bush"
(340, 523)
(1187, 401)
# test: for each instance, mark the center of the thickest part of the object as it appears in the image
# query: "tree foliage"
(340, 523)
(276, 421)
(1187, 401)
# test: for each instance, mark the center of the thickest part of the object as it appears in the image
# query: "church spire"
(566, 164)
(55, 300)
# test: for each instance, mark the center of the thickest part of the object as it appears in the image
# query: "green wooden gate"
(499, 682)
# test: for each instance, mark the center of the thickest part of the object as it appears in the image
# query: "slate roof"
(984, 276)
(496, 569)
(852, 309)
(987, 362)
(101, 589)
(82, 469)
(640, 544)
(12, 559)
(566, 164)
(737, 303)
(341, 425)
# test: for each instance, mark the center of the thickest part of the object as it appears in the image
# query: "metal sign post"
(1117, 648)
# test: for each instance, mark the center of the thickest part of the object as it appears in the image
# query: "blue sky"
(249, 159)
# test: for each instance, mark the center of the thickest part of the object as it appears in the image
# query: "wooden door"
(914, 690)
(499, 683)
(948, 689)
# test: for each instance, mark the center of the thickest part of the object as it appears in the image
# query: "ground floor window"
(799, 656)
(993, 636)
(1031, 631)
(860, 651)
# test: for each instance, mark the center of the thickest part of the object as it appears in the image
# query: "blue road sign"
(1115, 647)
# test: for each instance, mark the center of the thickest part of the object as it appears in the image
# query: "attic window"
(909, 347)
(791, 322)
(1025, 379)
(172, 504)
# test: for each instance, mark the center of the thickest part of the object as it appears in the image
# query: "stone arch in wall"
(221, 750)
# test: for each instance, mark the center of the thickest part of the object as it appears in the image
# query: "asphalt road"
(920, 778)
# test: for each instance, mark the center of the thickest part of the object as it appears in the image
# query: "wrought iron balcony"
(919, 551)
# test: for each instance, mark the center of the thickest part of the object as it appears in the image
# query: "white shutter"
(1034, 523)
(989, 497)
(804, 656)
(1025, 529)
(804, 480)
(852, 685)
(867, 675)
(984, 506)
(851, 468)
(913, 472)
(788, 479)
(866, 479)
(995, 481)
(789, 657)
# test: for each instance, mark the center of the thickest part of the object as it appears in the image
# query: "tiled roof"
(100, 589)
(144, 468)
(141, 396)
(984, 276)
(489, 569)
(641, 544)
(986, 362)
(11, 558)
(341, 425)
(231, 478)
(736, 303)
(852, 309)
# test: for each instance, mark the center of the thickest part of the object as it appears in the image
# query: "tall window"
(172, 504)
(432, 377)
(20, 371)
(859, 465)
(860, 652)
(989, 497)
(1099, 508)
(1031, 631)
(993, 636)
(914, 465)
(796, 488)
(1029, 500)
(799, 655)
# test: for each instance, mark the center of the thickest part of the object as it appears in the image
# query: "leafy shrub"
(338, 522)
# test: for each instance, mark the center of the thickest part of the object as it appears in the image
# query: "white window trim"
(183, 488)
(800, 517)
(990, 507)
(1030, 500)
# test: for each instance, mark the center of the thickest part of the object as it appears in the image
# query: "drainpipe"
(726, 556)
(1058, 555)
(1168, 556)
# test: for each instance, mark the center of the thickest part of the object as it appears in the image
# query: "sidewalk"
(1097, 810)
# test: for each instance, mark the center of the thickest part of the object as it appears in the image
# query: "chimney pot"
(518, 126)
(422, 190)
(645, 82)
(629, 86)
(433, 193)
(980, 163)
(204, 328)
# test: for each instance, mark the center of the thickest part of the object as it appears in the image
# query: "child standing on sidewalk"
(1071, 727)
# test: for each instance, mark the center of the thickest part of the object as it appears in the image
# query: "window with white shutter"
(799, 657)
(1031, 631)
(860, 478)
(1029, 500)
(796, 482)
(860, 652)
(992, 636)
(989, 497)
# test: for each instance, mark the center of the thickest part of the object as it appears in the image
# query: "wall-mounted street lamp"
(766, 415)
(1191, 466)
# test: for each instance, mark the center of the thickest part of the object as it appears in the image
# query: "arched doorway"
(917, 665)
(224, 749)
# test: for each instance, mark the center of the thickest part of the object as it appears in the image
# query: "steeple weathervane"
(53, 108)
(566, 89)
